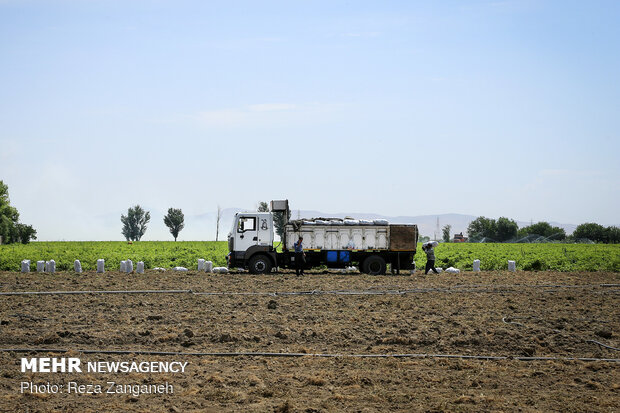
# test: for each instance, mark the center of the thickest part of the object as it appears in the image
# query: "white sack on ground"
(208, 266)
(100, 265)
(182, 269)
(123, 266)
(40, 266)
(140, 267)
(129, 266)
(476, 265)
(201, 264)
(77, 266)
(50, 266)
(25, 265)
(512, 266)
(452, 270)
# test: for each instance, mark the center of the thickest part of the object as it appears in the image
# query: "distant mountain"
(203, 226)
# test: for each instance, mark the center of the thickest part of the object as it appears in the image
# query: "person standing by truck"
(300, 256)
(430, 258)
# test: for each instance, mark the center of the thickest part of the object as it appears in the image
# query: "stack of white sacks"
(206, 266)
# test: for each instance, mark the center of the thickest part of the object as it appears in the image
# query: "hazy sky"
(495, 108)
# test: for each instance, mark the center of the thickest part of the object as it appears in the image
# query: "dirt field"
(523, 314)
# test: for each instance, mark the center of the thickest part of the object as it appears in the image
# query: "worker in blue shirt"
(300, 257)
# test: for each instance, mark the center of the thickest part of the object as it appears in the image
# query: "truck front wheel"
(260, 264)
(374, 265)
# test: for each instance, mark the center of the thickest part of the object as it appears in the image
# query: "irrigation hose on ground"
(478, 288)
(97, 292)
(310, 355)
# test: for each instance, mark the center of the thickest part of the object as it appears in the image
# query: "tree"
(217, 222)
(11, 230)
(279, 222)
(505, 229)
(482, 227)
(612, 234)
(446, 232)
(25, 233)
(175, 221)
(591, 231)
(543, 229)
(263, 207)
(8, 219)
(134, 224)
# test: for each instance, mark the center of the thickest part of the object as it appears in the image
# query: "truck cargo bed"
(353, 237)
(403, 237)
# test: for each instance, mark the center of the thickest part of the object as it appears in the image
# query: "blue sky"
(495, 108)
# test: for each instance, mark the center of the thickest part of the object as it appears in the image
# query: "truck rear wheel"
(260, 264)
(374, 265)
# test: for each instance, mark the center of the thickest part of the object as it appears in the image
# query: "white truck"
(330, 242)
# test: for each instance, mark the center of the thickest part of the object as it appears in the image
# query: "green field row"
(167, 254)
(164, 254)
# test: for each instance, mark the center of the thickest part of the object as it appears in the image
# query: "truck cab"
(250, 242)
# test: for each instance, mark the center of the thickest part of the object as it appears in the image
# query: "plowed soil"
(519, 316)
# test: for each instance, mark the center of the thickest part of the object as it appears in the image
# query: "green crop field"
(164, 254)
(529, 257)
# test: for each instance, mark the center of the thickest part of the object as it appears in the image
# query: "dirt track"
(542, 314)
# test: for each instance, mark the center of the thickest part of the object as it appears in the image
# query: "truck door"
(247, 232)
(265, 230)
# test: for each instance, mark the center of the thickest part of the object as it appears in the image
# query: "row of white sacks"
(335, 221)
(512, 266)
(126, 266)
(205, 266)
